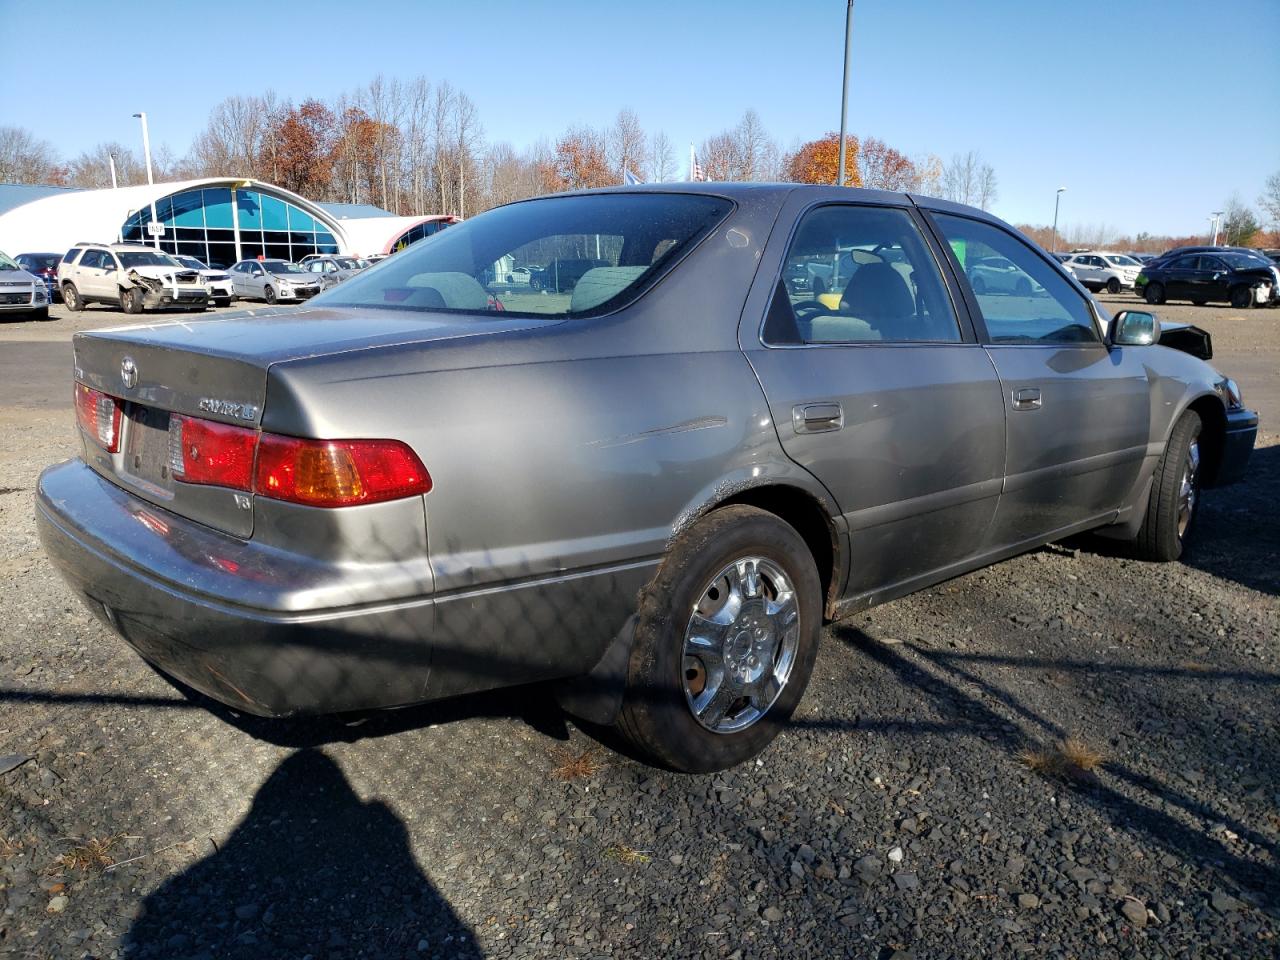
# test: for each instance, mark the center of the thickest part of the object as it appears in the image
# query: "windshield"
(580, 255)
(143, 258)
(280, 266)
(191, 263)
(1243, 261)
(7, 264)
(1120, 260)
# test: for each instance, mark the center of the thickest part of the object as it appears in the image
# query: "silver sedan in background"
(273, 281)
(651, 484)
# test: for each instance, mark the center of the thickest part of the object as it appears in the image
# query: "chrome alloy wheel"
(1187, 492)
(740, 645)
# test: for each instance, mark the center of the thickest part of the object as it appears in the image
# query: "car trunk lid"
(217, 369)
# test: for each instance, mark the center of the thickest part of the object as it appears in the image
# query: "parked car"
(45, 266)
(129, 276)
(1103, 270)
(273, 281)
(221, 289)
(999, 275)
(643, 490)
(21, 291)
(331, 270)
(1141, 258)
(1179, 251)
(1234, 278)
(561, 275)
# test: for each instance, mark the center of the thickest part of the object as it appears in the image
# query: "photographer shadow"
(312, 869)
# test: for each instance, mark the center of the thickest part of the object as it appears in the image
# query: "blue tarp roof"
(354, 211)
(16, 194)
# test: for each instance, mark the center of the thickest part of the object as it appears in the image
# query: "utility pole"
(1217, 214)
(844, 90)
(111, 159)
(146, 151)
(1056, 198)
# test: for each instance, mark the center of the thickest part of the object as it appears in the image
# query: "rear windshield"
(142, 258)
(557, 256)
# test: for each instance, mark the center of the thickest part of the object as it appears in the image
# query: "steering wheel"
(809, 309)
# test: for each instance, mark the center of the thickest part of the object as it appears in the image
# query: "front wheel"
(222, 301)
(1154, 293)
(725, 642)
(1113, 286)
(1023, 287)
(1241, 298)
(131, 300)
(979, 285)
(1175, 495)
(270, 294)
(71, 298)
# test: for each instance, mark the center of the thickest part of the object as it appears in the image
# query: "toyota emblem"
(128, 373)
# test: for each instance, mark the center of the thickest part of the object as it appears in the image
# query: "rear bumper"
(221, 614)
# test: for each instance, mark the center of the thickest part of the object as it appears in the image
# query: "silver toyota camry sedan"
(652, 480)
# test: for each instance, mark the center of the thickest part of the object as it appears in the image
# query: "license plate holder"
(146, 453)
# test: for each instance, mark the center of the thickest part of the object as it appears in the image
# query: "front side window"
(94, 259)
(860, 274)
(585, 255)
(1029, 303)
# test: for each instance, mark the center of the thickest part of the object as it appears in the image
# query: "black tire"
(131, 300)
(71, 298)
(41, 315)
(1113, 286)
(1242, 298)
(1199, 303)
(1154, 293)
(657, 717)
(979, 285)
(270, 294)
(222, 301)
(1165, 532)
(1023, 287)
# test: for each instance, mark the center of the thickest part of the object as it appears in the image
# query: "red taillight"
(99, 417)
(337, 473)
(201, 451)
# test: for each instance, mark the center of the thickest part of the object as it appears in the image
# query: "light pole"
(1216, 215)
(1056, 198)
(844, 89)
(111, 159)
(146, 153)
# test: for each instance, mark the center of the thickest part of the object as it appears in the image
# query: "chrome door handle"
(1027, 398)
(817, 417)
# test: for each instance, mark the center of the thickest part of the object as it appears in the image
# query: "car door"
(1077, 412)
(1212, 280)
(887, 399)
(1181, 275)
(95, 275)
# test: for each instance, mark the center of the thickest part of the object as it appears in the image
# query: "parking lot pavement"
(923, 803)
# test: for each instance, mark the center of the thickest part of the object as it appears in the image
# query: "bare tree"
(662, 161)
(969, 179)
(92, 168)
(1270, 199)
(24, 158)
(745, 152)
(625, 144)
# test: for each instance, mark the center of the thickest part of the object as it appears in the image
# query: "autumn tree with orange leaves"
(579, 162)
(304, 141)
(881, 167)
(818, 161)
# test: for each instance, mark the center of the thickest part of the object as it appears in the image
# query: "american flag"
(695, 168)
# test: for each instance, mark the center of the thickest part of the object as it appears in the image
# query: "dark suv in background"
(44, 266)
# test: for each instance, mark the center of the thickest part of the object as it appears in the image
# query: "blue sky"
(1150, 112)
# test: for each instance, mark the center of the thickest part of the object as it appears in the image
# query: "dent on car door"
(1077, 412)
(877, 390)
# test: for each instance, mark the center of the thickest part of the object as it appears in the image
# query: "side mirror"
(1135, 328)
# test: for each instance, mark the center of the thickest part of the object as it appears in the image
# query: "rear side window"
(564, 256)
(1027, 302)
(856, 275)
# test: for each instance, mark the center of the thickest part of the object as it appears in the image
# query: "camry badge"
(128, 373)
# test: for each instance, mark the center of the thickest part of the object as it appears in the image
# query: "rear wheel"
(1154, 293)
(270, 294)
(725, 642)
(1175, 495)
(1241, 298)
(71, 297)
(1113, 285)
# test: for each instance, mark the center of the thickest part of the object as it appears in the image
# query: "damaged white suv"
(130, 276)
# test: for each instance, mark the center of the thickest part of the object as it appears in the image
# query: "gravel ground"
(906, 814)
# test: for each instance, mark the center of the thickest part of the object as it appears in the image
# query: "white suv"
(1101, 269)
(127, 275)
